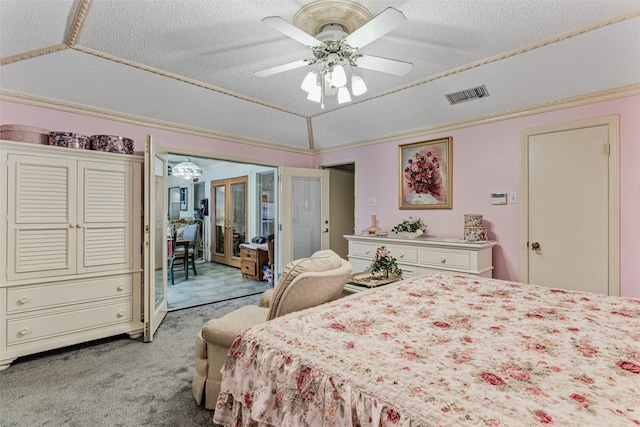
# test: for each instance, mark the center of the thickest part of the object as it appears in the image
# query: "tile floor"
(214, 282)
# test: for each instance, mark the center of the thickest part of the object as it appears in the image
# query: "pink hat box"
(24, 134)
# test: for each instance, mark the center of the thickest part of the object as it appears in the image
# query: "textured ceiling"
(191, 63)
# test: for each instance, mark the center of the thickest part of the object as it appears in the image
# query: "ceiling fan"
(334, 50)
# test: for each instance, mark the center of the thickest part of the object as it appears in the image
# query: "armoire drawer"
(445, 258)
(30, 328)
(24, 298)
(404, 254)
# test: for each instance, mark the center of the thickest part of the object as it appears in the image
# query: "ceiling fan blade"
(290, 30)
(283, 67)
(388, 20)
(391, 66)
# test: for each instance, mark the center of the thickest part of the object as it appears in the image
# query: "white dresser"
(423, 255)
(70, 255)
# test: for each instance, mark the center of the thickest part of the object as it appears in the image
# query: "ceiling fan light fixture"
(343, 95)
(358, 87)
(310, 81)
(186, 170)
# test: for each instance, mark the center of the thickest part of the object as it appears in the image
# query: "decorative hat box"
(22, 133)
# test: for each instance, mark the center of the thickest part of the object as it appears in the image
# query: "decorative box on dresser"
(70, 252)
(423, 255)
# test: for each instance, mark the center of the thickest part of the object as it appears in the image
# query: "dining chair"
(171, 252)
(187, 253)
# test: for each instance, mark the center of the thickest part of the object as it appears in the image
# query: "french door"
(229, 219)
(155, 237)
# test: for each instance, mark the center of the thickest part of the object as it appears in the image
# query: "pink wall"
(19, 114)
(486, 159)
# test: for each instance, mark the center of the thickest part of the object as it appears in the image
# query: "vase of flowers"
(384, 264)
(411, 227)
(423, 173)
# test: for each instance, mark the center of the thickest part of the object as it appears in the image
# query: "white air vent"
(467, 95)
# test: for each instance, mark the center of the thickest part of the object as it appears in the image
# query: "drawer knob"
(443, 259)
(121, 288)
(120, 313)
(24, 331)
(366, 251)
(23, 300)
(401, 255)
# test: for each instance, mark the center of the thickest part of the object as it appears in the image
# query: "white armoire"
(70, 247)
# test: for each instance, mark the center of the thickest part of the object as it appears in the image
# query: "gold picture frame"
(425, 174)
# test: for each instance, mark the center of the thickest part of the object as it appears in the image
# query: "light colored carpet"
(113, 382)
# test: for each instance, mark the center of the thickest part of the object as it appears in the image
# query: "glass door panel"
(219, 220)
(229, 219)
(239, 209)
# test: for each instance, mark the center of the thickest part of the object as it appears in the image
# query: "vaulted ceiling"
(189, 65)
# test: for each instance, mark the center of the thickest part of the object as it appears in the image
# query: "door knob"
(535, 246)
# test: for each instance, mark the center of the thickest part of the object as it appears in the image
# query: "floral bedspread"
(441, 350)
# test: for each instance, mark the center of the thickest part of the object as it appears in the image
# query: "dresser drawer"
(362, 250)
(248, 254)
(39, 327)
(443, 258)
(404, 254)
(25, 298)
(248, 268)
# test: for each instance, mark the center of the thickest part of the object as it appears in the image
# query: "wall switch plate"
(372, 201)
(513, 197)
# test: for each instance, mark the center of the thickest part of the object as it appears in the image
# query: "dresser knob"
(443, 259)
(120, 313)
(401, 255)
(121, 288)
(366, 251)
(23, 300)
(24, 331)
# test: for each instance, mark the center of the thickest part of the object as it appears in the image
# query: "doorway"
(229, 219)
(214, 281)
(569, 220)
(342, 200)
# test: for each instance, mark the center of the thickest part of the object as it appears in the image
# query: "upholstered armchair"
(304, 283)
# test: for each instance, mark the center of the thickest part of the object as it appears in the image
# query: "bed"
(440, 350)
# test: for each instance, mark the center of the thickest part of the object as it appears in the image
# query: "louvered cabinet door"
(41, 216)
(105, 225)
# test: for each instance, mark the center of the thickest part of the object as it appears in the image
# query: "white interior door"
(567, 197)
(155, 209)
(304, 213)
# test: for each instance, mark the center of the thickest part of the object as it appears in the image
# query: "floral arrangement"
(411, 224)
(384, 263)
(423, 173)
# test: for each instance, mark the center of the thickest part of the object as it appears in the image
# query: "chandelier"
(332, 61)
(186, 170)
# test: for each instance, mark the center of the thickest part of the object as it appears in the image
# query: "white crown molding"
(33, 54)
(78, 20)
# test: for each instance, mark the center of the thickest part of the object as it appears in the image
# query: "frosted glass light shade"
(357, 85)
(309, 81)
(338, 76)
(315, 93)
(343, 95)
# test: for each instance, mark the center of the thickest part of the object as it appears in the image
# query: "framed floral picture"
(425, 174)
